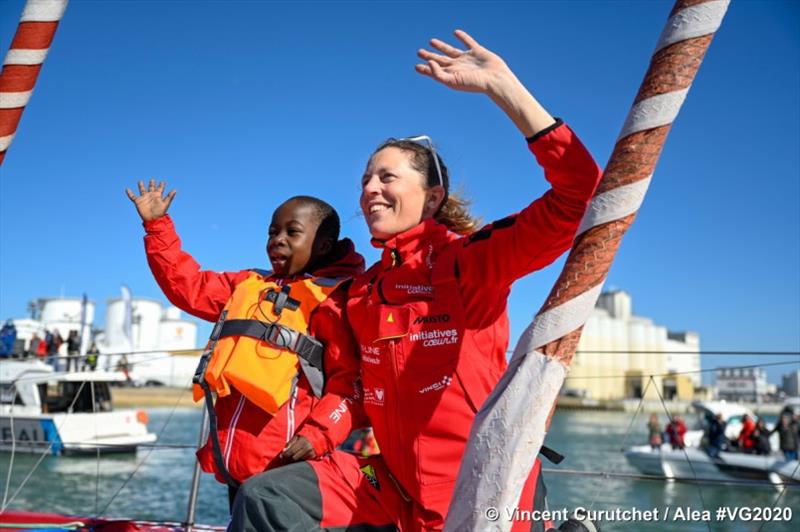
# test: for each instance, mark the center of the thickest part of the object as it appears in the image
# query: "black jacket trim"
(545, 131)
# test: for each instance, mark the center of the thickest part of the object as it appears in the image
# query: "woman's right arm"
(519, 244)
(200, 293)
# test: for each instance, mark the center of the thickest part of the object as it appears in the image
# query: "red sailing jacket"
(250, 438)
(432, 323)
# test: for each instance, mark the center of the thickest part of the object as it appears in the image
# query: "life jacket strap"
(200, 379)
(306, 347)
(553, 456)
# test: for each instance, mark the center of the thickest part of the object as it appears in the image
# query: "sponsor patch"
(370, 354)
(339, 411)
(436, 318)
(372, 478)
(441, 384)
(415, 289)
(435, 337)
(374, 396)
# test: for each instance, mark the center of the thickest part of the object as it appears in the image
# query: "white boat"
(693, 462)
(64, 413)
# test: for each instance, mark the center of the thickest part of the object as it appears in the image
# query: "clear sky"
(239, 105)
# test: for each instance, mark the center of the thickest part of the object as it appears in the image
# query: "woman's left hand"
(473, 70)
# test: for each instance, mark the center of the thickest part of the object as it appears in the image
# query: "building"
(742, 384)
(790, 383)
(619, 351)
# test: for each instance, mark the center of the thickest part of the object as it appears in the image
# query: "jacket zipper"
(398, 439)
(290, 414)
(232, 430)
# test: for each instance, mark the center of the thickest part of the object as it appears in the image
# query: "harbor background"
(160, 477)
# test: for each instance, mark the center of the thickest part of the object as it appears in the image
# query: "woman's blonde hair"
(453, 211)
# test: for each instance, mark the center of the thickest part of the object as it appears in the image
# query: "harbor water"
(154, 483)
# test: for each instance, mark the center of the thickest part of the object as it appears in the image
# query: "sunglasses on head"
(425, 141)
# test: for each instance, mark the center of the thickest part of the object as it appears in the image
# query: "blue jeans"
(790, 455)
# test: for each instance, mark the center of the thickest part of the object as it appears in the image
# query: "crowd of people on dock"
(48, 348)
(753, 438)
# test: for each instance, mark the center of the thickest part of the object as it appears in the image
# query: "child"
(275, 332)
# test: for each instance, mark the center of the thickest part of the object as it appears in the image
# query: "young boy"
(275, 333)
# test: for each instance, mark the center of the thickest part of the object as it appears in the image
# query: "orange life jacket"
(261, 341)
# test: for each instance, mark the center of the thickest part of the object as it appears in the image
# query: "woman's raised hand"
(151, 203)
(475, 69)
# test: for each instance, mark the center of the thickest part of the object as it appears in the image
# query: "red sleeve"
(511, 248)
(200, 293)
(339, 410)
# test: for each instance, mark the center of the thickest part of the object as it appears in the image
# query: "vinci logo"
(438, 385)
(438, 318)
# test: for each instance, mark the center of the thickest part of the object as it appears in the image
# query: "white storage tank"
(177, 334)
(145, 319)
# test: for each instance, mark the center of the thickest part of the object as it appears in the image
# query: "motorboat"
(42, 410)
(693, 462)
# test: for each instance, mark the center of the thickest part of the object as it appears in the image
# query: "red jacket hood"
(346, 261)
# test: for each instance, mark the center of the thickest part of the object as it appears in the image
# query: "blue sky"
(239, 105)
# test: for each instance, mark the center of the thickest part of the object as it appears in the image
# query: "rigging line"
(149, 452)
(644, 477)
(97, 453)
(700, 352)
(708, 370)
(624, 439)
(685, 452)
(157, 446)
(780, 495)
(46, 451)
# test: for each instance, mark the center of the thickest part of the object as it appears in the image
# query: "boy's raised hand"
(151, 202)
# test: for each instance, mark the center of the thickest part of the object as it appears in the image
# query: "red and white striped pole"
(24, 61)
(508, 431)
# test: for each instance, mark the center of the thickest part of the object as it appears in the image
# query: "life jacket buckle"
(279, 336)
(281, 300)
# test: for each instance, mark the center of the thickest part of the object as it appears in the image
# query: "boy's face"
(292, 233)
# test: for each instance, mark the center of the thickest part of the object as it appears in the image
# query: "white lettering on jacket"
(413, 289)
(435, 337)
(374, 396)
(339, 411)
(441, 384)
(370, 354)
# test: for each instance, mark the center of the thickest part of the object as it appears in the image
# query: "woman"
(431, 317)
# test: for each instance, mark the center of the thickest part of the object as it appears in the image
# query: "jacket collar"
(402, 245)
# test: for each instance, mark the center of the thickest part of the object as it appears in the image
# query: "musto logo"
(438, 385)
(435, 337)
(437, 318)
